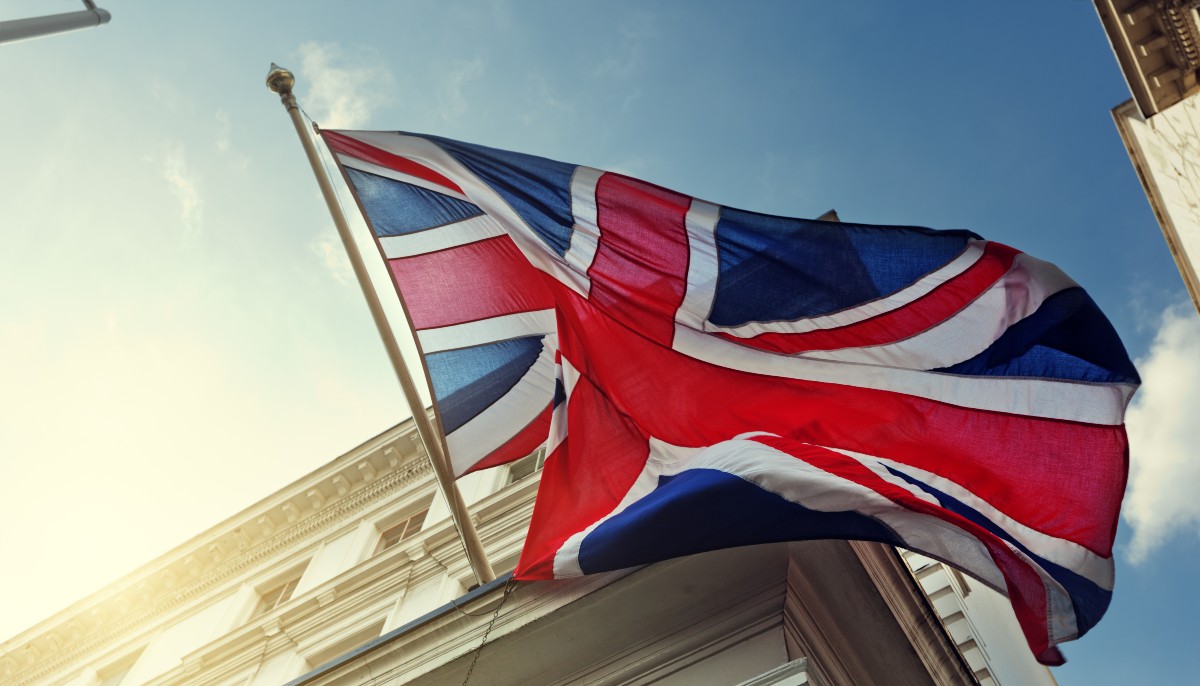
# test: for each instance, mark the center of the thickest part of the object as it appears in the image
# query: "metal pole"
(20, 29)
(281, 81)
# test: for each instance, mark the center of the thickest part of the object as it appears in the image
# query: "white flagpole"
(281, 81)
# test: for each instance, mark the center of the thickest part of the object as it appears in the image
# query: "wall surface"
(1166, 153)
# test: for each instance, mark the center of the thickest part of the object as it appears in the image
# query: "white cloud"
(343, 90)
(452, 98)
(185, 188)
(1164, 436)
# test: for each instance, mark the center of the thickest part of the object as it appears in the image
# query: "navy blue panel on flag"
(1057, 341)
(896, 256)
(538, 189)
(397, 208)
(780, 269)
(469, 380)
(678, 518)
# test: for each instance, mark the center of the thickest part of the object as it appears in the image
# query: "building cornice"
(913, 611)
(646, 623)
(386, 464)
(1157, 44)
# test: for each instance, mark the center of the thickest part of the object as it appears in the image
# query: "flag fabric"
(484, 319)
(705, 377)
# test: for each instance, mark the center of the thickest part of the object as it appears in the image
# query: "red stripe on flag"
(369, 153)
(578, 489)
(523, 443)
(1025, 587)
(1062, 478)
(911, 319)
(479, 280)
(639, 275)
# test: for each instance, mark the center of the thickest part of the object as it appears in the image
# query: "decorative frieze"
(212, 566)
(1157, 43)
(1178, 17)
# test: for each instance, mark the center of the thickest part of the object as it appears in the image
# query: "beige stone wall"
(1166, 153)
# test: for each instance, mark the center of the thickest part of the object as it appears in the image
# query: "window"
(400, 531)
(277, 594)
(526, 466)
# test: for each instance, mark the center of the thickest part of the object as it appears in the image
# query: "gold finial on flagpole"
(280, 81)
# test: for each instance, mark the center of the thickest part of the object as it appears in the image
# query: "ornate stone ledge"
(364, 476)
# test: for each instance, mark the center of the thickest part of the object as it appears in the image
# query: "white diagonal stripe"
(585, 235)
(968, 332)
(478, 193)
(469, 230)
(363, 165)
(802, 483)
(483, 331)
(703, 264)
(500, 421)
(1078, 402)
(1060, 551)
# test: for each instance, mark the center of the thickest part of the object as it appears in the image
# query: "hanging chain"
(508, 588)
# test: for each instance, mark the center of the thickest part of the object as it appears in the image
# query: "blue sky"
(181, 335)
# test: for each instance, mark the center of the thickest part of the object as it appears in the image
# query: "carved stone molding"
(1178, 18)
(1157, 43)
(815, 619)
(145, 605)
(913, 613)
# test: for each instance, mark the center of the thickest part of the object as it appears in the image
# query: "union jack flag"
(706, 377)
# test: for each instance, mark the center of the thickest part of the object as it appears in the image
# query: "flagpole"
(280, 81)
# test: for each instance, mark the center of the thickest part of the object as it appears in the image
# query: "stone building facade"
(1157, 44)
(354, 575)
